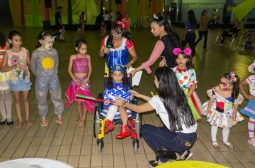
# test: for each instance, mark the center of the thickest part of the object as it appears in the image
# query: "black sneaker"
(186, 155)
(153, 163)
(9, 122)
(2, 122)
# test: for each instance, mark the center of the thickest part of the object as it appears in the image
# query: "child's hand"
(187, 97)
(84, 82)
(24, 68)
(134, 93)
(234, 117)
(209, 111)
(76, 81)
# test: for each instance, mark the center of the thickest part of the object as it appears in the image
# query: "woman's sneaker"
(186, 155)
(153, 163)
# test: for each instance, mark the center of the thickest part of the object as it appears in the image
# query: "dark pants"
(158, 137)
(201, 34)
(190, 38)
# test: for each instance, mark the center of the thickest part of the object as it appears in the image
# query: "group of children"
(15, 77)
(221, 109)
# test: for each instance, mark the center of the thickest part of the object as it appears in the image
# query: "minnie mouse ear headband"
(186, 51)
(117, 68)
(251, 68)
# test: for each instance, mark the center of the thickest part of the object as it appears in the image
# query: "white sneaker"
(186, 155)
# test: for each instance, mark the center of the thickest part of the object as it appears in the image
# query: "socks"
(251, 124)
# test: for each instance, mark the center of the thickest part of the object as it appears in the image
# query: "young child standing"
(80, 71)
(249, 110)
(222, 107)
(186, 76)
(117, 87)
(5, 95)
(44, 65)
(17, 61)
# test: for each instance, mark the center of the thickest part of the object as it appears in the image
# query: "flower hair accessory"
(186, 51)
(123, 25)
(232, 77)
(251, 68)
(155, 16)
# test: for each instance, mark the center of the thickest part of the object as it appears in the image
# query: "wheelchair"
(134, 122)
(234, 37)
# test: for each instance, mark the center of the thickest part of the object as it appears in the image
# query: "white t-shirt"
(158, 105)
(251, 81)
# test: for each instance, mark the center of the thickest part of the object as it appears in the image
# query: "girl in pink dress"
(80, 71)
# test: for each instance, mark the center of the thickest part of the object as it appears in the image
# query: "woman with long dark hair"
(190, 35)
(161, 27)
(179, 131)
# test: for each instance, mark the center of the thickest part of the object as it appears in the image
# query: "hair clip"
(232, 77)
(155, 16)
(186, 51)
(123, 25)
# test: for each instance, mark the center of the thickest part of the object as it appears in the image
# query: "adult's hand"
(106, 50)
(162, 63)
(119, 102)
(132, 73)
(134, 93)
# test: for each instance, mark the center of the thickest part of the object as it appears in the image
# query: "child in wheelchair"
(117, 87)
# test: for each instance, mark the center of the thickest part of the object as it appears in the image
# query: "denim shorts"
(20, 85)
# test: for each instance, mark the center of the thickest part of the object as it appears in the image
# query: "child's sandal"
(229, 145)
(43, 124)
(216, 146)
(59, 122)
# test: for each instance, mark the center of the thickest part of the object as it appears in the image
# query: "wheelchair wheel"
(96, 125)
(138, 124)
(135, 145)
(100, 145)
(99, 107)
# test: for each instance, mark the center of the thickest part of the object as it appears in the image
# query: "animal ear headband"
(186, 51)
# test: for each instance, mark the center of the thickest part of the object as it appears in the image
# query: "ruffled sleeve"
(210, 93)
(129, 43)
(239, 99)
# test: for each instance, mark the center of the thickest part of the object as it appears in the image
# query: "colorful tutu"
(195, 105)
(74, 89)
(222, 109)
(222, 120)
(249, 110)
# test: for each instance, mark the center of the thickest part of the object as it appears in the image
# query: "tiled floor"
(77, 146)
